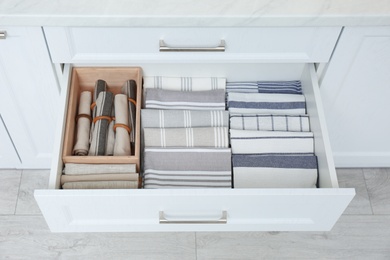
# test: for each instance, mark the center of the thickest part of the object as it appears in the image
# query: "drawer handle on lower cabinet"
(219, 48)
(3, 35)
(222, 220)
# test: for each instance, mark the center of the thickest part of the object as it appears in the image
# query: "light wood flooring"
(363, 232)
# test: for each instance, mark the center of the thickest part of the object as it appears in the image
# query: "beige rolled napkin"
(99, 177)
(81, 146)
(121, 127)
(101, 185)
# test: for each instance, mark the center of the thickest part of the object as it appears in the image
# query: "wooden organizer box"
(84, 79)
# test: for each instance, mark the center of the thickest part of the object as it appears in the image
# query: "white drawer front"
(293, 44)
(246, 209)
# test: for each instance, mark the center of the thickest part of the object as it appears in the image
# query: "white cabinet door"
(356, 96)
(29, 94)
(8, 155)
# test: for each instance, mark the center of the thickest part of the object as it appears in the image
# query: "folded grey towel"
(280, 87)
(187, 137)
(197, 100)
(184, 118)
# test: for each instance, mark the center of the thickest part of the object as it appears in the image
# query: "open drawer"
(204, 209)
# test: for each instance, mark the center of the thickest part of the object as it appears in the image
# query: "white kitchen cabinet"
(356, 93)
(29, 96)
(9, 158)
(202, 209)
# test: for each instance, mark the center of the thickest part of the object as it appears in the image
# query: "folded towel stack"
(272, 145)
(185, 131)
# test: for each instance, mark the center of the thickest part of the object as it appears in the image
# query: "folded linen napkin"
(184, 83)
(198, 100)
(259, 103)
(260, 142)
(184, 118)
(262, 122)
(81, 146)
(122, 135)
(101, 185)
(280, 87)
(81, 168)
(100, 177)
(100, 129)
(274, 171)
(130, 90)
(187, 137)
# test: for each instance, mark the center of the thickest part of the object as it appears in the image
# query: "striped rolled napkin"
(262, 122)
(198, 100)
(265, 142)
(130, 90)
(279, 87)
(121, 127)
(187, 168)
(259, 103)
(185, 83)
(184, 118)
(275, 171)
(187, 137)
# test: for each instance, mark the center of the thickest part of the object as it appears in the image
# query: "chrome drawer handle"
(222, 220)
(3, 35)
(219, 48)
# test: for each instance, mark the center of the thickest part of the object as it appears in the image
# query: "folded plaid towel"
(184, 118)
(261, 122)
(275, 171)
(258, 103)
(184, 83)
(280, 87)
(198, 100)
(260, 142)
(187, 137)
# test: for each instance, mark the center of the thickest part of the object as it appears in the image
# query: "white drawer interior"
(247, 209)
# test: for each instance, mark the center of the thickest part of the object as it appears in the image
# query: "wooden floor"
(363, 232)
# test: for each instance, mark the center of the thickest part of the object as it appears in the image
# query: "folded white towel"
(185, 83)
(260, 142)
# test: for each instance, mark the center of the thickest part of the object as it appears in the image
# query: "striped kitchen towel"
(187, 168)
(185, 83)
(100, 177)
(279, 87)
(187, 137)
(184, 118)
(275, 171)
(103, 107)
(264, 142)
(259, 103)
(262, 122)
(199, 100)
(129, 88)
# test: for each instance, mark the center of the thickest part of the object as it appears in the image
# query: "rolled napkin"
(82, 169)
(258, 103)
(100, 85)
(184, 118)
(261, 122)
(187, 137)
(121, 127)
(274, 171)
(198, 100)
(101, 185)
(261, 142)
(187, 168)
(100, 177)
(279, 87)
(84, 121)
(184, 83)
(101, 122)
(130, 90)
(111, 135)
